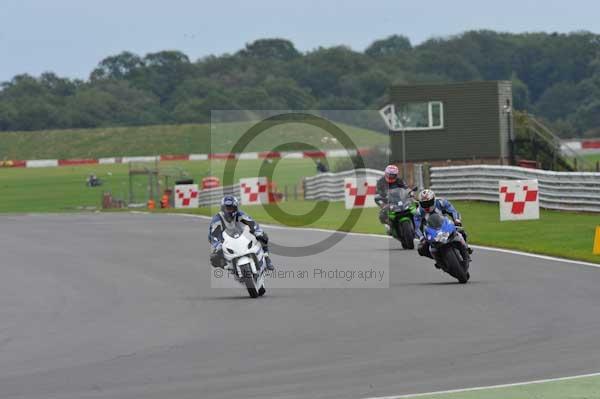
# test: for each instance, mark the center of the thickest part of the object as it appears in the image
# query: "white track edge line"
(485, 248)
(517, 384)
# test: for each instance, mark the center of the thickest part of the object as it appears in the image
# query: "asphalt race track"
(119, 306)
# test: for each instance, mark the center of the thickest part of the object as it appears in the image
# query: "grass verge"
(578, 388)
(592, 158)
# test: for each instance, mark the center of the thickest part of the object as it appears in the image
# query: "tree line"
(555, 76)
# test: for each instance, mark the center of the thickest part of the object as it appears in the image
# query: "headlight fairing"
(442, 237)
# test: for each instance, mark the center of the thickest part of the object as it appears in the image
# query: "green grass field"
(592, 158)
(63, 189)
(169, 139)
(579, 388)
(562, 234)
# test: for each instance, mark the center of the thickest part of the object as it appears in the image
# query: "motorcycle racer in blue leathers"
(428, 205)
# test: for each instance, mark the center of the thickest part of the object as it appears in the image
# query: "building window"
(420, 116)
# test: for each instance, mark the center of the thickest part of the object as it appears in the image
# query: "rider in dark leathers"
(388, 181)
(229, 215)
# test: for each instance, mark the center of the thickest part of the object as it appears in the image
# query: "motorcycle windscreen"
(235, 229)
(435, 221)
(397, 197)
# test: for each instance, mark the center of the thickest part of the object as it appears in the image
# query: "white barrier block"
(360, 192)
(140, 159)
(519, 199)
(292, 155)
(248, 155)
(338, 153)
(198, 157)
(41, 163)
(571, 145)
(254, 191)
(186, 196)
(107, 161)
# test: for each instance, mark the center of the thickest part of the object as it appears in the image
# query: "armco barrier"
(572, 191)
(213, 196)
(330, 186)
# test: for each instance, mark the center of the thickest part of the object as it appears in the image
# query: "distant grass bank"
(63, 189)
(169, 139)
(563, 234)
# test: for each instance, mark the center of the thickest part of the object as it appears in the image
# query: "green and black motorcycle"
(401, 208)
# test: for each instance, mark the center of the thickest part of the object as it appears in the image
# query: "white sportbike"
(245, 258)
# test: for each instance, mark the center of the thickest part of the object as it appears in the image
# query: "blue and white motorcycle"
(441, 233)
(245, 258)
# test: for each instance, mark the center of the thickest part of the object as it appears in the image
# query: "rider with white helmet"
(429, 204)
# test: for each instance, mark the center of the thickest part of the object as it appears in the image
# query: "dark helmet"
(229, 207)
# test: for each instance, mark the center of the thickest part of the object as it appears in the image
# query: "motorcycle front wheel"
(249, 281)
(407, 235)
(453, 264)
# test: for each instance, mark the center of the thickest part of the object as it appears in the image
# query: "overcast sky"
(70, 37)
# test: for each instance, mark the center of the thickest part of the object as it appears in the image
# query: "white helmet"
(427, 200)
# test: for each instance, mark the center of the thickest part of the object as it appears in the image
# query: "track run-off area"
(119, 305)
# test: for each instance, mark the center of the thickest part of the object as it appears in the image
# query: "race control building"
(468, 122)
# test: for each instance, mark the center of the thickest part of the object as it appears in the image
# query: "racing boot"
(268, 262)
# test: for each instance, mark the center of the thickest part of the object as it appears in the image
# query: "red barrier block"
(590, 144)
(223, 155)
(269, 154)
(313, 154)
(12, 164)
